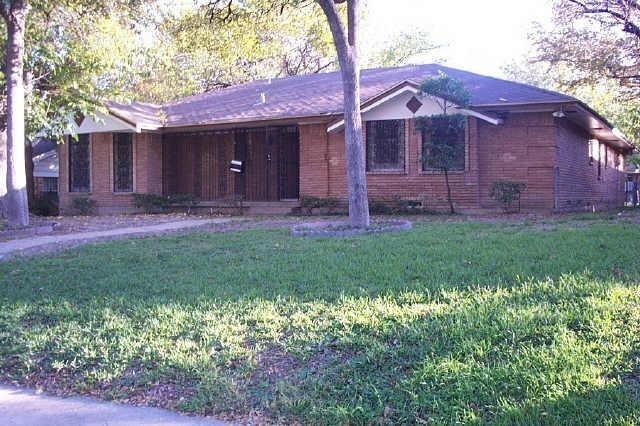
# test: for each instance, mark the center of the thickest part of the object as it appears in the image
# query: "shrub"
(308, 204)
(507, 192)
(182, 199)
(46, 205)
(153, 203)
(395, 205)
(380, 207)
(83, 206)
(150, 203)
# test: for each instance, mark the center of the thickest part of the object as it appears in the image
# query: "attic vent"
(414, 104)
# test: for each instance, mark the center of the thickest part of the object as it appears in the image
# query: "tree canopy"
(66, 68)
(595, 39)
(192, 53)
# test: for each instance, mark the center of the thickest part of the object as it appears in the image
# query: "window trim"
(467, 159)
(112, 179)
(68, 165)
(49, 179)
(396, 171)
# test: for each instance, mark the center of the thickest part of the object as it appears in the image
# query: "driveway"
(22, 407)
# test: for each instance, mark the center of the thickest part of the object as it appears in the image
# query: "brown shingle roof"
(318, 95)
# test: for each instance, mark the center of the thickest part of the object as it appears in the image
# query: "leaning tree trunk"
(17, 207)
(347, 49)
(449, 198)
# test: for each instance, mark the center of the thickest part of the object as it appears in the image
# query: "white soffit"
(101, 123)
(393, 106)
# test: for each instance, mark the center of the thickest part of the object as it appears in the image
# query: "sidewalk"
(26, 245)
(22, 407)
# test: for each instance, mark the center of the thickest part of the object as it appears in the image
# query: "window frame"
(464, 169)
(402, 151)
(70, 187)
(114, 167)
(48, 184)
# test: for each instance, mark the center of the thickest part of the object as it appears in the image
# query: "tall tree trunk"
(3, 174)
(17, 207)
(347, 48)
(28, 167)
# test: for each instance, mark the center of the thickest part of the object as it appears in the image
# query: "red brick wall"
(527, 147)
(413, 184)
(147, 173)
(521, 149)
(578, 186)
(314, 168)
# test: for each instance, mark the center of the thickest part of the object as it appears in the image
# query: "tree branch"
(336, 27)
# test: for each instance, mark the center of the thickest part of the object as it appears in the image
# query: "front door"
(271, 163)
(289, 164)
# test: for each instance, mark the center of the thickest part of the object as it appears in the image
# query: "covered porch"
(267, 164)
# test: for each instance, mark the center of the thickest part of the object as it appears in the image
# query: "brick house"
(289, 137)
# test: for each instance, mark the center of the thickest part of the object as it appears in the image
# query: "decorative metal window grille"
(122, 162)
(49, 184)
(457, 146)
(79, 167)
(385, 145)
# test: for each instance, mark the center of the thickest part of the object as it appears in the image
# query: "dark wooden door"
(240, 154)
(289, 164)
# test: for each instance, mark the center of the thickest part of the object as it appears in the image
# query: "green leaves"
(447, 89)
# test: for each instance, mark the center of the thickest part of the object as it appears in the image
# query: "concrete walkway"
(21, 407)
(26, 244)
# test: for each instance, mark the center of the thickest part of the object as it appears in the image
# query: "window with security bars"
(451, 153)
(385, 145)
(79, 164)
(49, 184)
(122, 162)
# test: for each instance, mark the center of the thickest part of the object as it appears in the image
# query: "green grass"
(449, 323)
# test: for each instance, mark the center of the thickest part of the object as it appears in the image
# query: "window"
(599, 162)
(385, 145)
(593, 151)
(122, 162)
(49, 184)
(433, 157)
(79, 164)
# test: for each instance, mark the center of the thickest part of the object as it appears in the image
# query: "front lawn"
(449, 322)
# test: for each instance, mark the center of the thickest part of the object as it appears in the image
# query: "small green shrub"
(45, 205)
(182, 199)
(83, 206)
(309, 203)
(154, 203)
(380, 207)
(150, 203)
(395, 206)
(507, 193)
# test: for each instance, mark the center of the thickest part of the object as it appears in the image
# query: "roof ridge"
(289, 77)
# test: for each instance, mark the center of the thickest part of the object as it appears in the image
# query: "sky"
(477, 35)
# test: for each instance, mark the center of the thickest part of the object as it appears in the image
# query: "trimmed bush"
(308, 204)
(153, 203)
(507, 193)
(83, 206)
